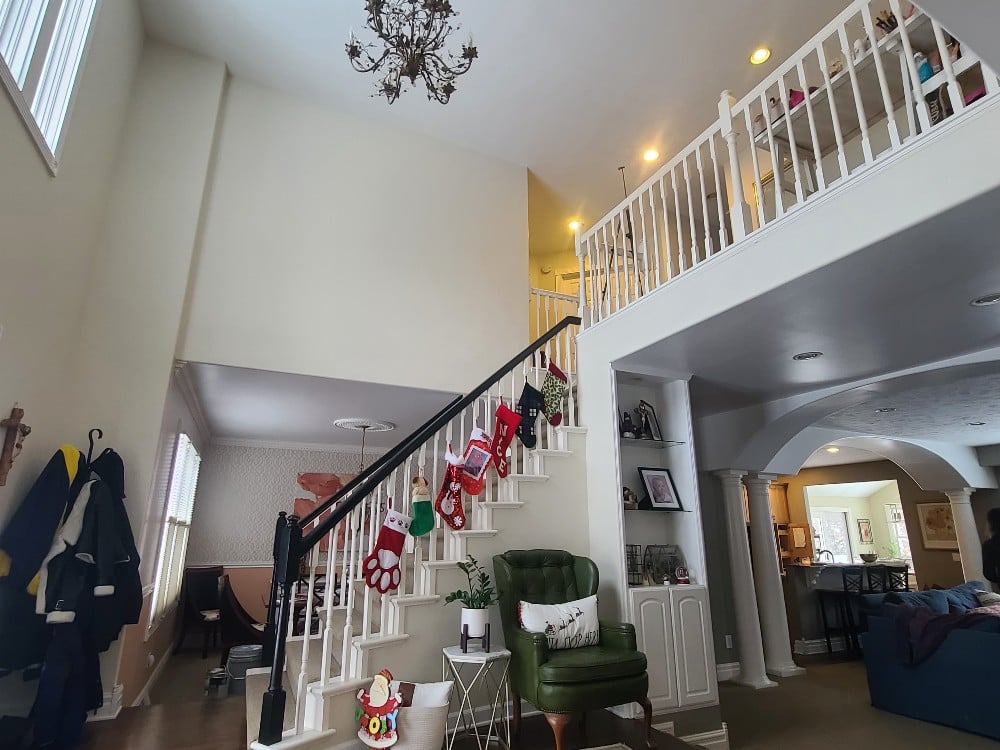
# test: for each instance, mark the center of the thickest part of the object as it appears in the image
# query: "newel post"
(740, 215)
(287, 543)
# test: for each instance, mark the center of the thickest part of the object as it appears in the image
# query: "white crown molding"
(353, 450)
(191, 398)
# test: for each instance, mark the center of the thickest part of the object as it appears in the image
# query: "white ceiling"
(569, 88)
(842, 457)
(901, 303)
(848, 489)
(936, 412)
(278, 407)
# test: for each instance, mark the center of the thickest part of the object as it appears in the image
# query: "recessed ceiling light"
(975, 424)
(361, 423)
(760, 55)
(986, 300)
(803, 356)
(575, 224)
(885, 410)
(832, 449)
(651, 154)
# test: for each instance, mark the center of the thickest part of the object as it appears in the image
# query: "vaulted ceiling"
(571, 89)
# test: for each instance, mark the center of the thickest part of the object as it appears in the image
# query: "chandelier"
(413, 35)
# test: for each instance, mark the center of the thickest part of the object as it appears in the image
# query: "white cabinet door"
(655, 638)
(694, 651)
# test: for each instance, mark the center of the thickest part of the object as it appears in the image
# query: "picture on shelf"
(653, 423)
(661, 492)
(865, 531)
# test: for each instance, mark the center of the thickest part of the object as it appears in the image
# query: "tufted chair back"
(541, 576)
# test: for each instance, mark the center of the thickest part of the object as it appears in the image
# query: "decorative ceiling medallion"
(412, 35)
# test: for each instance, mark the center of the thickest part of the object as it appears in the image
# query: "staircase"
(306, 697)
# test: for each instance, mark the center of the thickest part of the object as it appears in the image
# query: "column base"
(758, 683)
(786, 670)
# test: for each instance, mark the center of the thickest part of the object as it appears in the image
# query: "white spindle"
(644, 244)
(720, 213)
(817, 163)
(695, 255)
(704, 202)
(866, 144)
(778, 167)
(883, 82)
(954, 90)
(913, 91)
(834, 116)
(681, 264)
(667, 245)
(758, 184)
(792, 145)
(656, 239)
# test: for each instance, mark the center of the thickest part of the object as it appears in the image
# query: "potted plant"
(476, 599)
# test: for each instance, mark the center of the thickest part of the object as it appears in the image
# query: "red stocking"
(381, 567)
(507, 422)
(449, 499)
(476, 461)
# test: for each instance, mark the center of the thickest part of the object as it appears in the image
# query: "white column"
(970, 544)
(767, 577)
(752, 671)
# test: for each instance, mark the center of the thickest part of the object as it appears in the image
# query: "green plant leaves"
(480, 594)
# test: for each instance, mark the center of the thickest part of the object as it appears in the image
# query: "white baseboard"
(728, 671)
(818, 645)
(717, 739)
(112, 705)
(142, 699)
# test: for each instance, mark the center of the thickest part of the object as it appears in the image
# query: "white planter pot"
(476, 619)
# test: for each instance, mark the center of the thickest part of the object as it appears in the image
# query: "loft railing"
(851, 96)
(335, 537)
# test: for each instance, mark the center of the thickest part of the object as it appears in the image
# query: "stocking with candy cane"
(381, 567)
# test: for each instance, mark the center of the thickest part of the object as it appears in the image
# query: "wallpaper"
(241, 489)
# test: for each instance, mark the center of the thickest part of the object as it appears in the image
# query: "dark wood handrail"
(362, 485)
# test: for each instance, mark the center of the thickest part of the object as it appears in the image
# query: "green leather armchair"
(561, 683)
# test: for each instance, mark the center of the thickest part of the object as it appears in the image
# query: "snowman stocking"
(423, 513)
(476, 461)
(381, 567)
(528, 406)
(507, 422)
(553, 389)
(449, 499)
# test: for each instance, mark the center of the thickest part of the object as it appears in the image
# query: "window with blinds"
(41, 47)
(176, 527)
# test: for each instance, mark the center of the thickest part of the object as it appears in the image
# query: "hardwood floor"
(201, 725)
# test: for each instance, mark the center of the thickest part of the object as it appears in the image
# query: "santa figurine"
(378, 712)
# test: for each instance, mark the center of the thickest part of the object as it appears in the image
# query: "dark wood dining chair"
(237, 627)
(200, 605)
(877, 579)
(897, 577)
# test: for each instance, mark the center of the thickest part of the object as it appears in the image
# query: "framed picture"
(647, 409)
(865, 531)
(661, 491)
(937, 527)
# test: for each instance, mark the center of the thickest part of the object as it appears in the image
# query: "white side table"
(484, 670)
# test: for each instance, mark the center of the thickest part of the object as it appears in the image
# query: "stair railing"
(347, 525)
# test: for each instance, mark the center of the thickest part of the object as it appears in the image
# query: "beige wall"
(934, 567)
(49, 232)
(136, 669)
(343, 248)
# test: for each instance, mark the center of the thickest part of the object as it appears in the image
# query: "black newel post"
(286, 566)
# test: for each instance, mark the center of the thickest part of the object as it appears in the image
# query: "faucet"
(820, 553)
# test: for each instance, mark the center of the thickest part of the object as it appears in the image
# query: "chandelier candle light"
(413, 35)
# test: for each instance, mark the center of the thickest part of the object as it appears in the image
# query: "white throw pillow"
(987, 598)
(427, 694)
(569, 625)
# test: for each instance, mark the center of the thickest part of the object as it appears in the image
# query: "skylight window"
(42, 43)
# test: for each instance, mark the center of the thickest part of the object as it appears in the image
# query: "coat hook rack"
(90, 438)
(13, 441)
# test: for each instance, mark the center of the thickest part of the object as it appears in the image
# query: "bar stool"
(897, 577)
(852, 579)
(877, 578)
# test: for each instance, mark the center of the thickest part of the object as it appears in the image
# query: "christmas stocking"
(423, 513)
(553, 389)
(449, 499)
(528, 405)
(381, 567)
(507, 421)
(476, 461)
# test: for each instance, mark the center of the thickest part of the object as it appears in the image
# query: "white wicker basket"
(421, 728)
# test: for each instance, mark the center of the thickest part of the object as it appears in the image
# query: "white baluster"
(777, 166)
(834, 116)
(817, 164)
(645, 243)
(328, 597)
(681, 265)
(954, 90)
(695, 256)
(792, 145)
(866, 16)
(656, 238)
(303, 676)
(720, 212)
(348, 593)
(866, 144)
(668, 249)
(913, 91)
(704, 202)
(758, 184)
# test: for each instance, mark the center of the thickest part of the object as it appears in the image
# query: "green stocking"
(423, 512)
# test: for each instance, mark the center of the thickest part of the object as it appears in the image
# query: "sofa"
(956, 685)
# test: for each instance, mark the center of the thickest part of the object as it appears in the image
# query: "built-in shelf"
(654, 510)
(634, 442)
